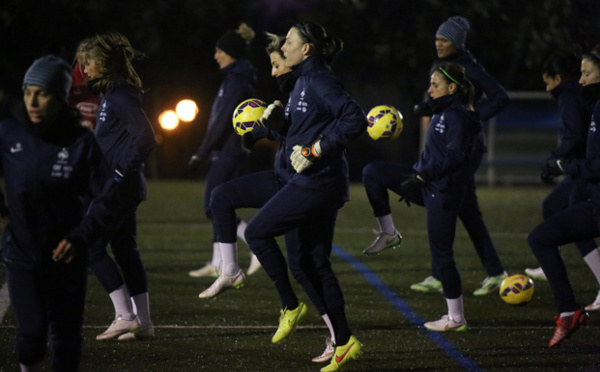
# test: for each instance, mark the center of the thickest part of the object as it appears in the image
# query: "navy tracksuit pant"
(576, 223)
(311, 214)
(49, 299)
(567, 193)
(123, 243)
(254, 191)
(442, 214)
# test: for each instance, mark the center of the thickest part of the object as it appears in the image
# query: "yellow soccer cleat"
(343, 354)
(288, 321)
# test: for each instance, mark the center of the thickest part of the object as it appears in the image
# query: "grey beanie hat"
(51, 74)
(455, 31)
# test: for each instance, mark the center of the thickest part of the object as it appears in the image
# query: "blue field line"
(407, 312)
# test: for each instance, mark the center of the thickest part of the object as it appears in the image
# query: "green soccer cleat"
(288, 320)
(446, 324)
(343, 354)
(490, 284)
(428, 285)
(382, 242)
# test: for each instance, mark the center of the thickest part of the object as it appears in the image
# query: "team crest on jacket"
(62, 168)
(302, 105)
(102, 113)
(440, 126)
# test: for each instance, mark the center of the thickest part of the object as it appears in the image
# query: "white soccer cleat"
(223, 283)
(595, 305)
(254, 265)
(382, 242)
(118, 327)
(327, 353)
(536, 273)
(207, 270)
(446, 324)
(142, 332)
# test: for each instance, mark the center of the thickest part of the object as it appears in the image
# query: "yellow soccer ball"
(517, 289)
(385, 123)
(247, 115)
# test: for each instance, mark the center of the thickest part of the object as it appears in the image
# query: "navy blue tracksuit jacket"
(126, 137)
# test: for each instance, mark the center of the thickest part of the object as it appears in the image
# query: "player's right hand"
(274, 117)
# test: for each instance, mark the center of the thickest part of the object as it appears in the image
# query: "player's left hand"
(64, 252)
(555, 167)
(414, 182)
(303, 156)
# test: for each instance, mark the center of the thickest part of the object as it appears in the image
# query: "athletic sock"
(592, 259)
(330, 327)
(386, 224)
(241, 229)
(229, 258)
(456, 309)
(141, 302)
(216, 257)
(121, 303)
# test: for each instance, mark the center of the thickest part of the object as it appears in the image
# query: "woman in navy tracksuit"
(560, 73)
(222, 145)
(322, 119)
(50, 164)
(450, 47)
(439, 181)
(126, 138)
(253, 191)
(578, 222)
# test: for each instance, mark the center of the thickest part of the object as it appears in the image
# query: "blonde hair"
(245, 32)
(275, 43)
(113, 55)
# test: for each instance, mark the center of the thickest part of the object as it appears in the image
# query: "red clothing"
(80, 97)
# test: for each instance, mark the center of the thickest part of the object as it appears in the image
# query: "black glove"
(274, 117)
(249, 139)
(555, 167)
(194, 163)
(422, 109)
(412, 183)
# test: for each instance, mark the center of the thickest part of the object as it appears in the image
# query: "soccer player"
(253, 191)
(51, 165)
(560, 73)
(450, 46)
(438, 181)
(322, 118)
(126, 138)
(222, 145)
(579, 221)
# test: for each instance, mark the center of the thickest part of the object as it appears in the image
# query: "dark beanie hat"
(233, 44)
(51, 74)
(455, 31)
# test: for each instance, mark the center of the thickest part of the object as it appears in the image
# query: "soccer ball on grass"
(516, 289)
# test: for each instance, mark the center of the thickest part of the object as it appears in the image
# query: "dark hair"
(593, 55)
(316, 35)
(115, 55)
(564, 63)
(275, 44)
(455, 73)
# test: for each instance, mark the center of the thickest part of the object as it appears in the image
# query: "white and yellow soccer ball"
(385, 123)
(517, 289)
(247, 115)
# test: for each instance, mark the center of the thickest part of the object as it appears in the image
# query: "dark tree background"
(389, 47)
